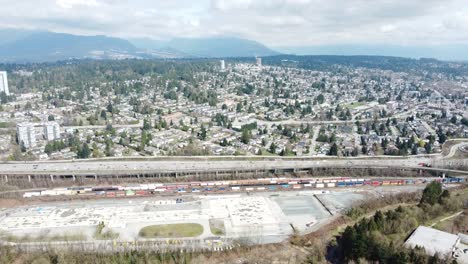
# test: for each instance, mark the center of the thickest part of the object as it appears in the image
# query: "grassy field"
(217, 227)
(354, 105)
(172, 230)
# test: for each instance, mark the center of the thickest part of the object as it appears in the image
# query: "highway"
(119, 167)
(208, 164)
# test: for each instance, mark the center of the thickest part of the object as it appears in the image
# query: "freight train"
(264, 184)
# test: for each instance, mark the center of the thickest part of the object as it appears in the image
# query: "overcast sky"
(273, 22)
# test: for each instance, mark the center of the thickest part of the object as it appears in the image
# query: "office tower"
(4, 83)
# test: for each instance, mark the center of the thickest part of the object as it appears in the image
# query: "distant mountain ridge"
(49, 46)
(214, 47)
(456, 52)
(43, 46)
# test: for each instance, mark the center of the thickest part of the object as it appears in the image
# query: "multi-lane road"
(207, 164)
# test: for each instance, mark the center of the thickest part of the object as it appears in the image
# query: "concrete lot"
(262, 217)
(257, 217)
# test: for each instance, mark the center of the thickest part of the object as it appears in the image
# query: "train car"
(409, 181)
(308, 185)
(110, 194)
(105, 188)
(393, 182)
(235, 188)
(31, 194)
(171, 187)
(285, 186)
(331, 184)
(384, 183)
(120, 193)
(49, 193)
(341, 184)
(320, 185)
(141, 192)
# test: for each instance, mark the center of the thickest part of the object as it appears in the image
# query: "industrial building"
(4, 83)
(433, 241)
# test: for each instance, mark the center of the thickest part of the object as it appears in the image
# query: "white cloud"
(67, 4)
(272, 22)
(387, 28)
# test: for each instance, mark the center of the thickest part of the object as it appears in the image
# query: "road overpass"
(226, 166)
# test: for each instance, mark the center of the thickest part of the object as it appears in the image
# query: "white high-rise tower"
(259, 61)
(26, 135)
(4, 83)
(223, 65)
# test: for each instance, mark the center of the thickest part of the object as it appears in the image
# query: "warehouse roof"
(433, 241)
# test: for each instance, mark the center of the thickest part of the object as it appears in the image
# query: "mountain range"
(42, 46)
(45, 46)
